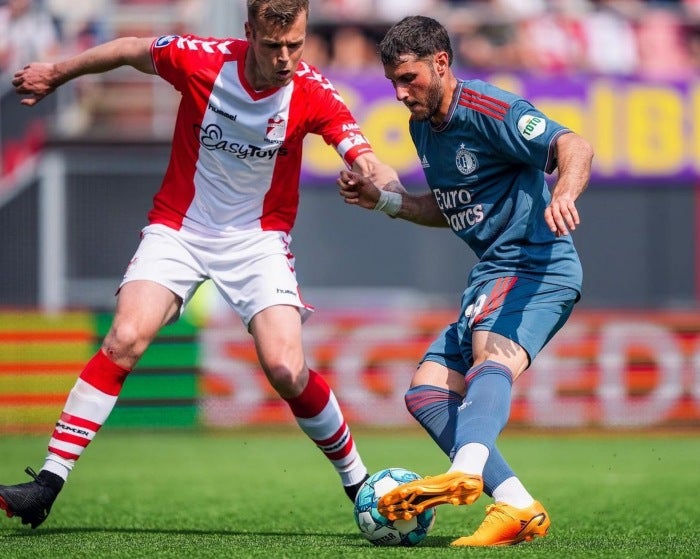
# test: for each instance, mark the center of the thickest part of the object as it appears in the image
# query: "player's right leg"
(434, 398)
(143, 307)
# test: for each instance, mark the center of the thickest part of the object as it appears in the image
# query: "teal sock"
(436, 411)
(486, 407)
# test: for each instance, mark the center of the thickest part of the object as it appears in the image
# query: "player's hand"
(357, 190)
(561, 216)
(36, 80)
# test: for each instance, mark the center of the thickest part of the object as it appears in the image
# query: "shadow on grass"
(345, 539)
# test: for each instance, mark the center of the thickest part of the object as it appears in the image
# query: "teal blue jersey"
(486, 167)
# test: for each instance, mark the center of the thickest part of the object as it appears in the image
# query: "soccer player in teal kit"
(485, 153)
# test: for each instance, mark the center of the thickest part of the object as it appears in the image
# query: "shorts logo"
(286, 292)
(531, 126)
(466, 161)
(165, 40)
(276, 130)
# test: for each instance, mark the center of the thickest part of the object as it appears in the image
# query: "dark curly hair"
(414, 35)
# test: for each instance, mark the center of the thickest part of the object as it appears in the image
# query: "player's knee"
(286, 380)
(125, 342)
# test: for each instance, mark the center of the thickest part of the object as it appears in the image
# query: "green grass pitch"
(266, 494)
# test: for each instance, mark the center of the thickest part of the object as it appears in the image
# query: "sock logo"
(75, 430)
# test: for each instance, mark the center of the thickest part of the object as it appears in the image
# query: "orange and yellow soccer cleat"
(507, 525)
(411, 499)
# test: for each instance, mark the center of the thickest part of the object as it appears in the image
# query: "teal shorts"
(526, 311)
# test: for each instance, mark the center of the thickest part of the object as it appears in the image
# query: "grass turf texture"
(261, 494)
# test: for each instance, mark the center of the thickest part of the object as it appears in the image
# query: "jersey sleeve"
(330, 117)
(177, 57)
(526, 135)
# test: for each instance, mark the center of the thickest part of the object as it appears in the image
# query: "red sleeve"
(330, 117)
(176, 57)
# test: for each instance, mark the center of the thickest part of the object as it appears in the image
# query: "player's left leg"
(277, 334)
(506, 335)
(516, 516)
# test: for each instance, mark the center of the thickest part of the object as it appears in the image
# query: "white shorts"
(253, 270)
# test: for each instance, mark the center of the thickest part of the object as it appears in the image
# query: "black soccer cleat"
(31, 501)
(351, 490)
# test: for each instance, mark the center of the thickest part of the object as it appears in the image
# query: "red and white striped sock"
(89, 403)
(317, 412)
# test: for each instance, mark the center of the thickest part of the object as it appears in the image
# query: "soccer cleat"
(31, 501)
(351, 490)
(507, 525)
(412, 498)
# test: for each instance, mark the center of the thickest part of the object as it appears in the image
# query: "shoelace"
(496, 513)
(31, 473)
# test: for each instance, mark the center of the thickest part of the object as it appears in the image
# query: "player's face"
(274, 52)
(418, 86)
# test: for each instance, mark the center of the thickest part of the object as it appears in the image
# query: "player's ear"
(442, 62)
(249, 32)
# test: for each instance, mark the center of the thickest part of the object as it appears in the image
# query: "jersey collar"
(451, 111)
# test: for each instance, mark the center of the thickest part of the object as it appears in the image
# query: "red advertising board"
(631, 370)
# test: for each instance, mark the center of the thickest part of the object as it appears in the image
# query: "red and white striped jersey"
(236, 153)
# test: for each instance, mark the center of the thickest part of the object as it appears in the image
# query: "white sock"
(512, 492)
(56, 465)
(470, 459)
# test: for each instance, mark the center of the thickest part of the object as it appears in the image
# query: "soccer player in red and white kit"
(224, 212)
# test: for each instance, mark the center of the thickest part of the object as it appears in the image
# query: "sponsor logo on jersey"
(531, 126)
(165, 40)
(212, 138)
(424, 162)
(356, 139)
(276, 130)
(458, 208)
(466, 161)
(223, 113)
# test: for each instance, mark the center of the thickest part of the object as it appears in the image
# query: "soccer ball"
(378, 529)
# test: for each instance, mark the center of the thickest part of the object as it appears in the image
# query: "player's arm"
(39, 79)
(368, 165)
(393, 199)
(574, 157)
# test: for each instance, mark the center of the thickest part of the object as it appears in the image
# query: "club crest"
(466, 161)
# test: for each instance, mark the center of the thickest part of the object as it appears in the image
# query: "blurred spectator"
(610, 39)
(663, 53)
(487, 46)
(554, 41)
(393, 10)
(81, 23)
(692, 34)
(316, 50)
(27, 33)
(344, 10)
(352, 50)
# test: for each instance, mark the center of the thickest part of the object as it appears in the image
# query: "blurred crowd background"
(652, 39)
